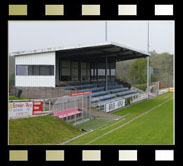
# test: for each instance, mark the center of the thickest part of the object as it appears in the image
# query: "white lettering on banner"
(37, 102)
(20, 109)
(114, 105)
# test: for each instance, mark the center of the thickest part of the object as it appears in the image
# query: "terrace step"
(101, 114)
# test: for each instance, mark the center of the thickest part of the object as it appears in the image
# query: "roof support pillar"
(106, 73)
(97, 71)
(90, 72)
(94, 73)
(79, 71)
(110, 71)
(71, 70)
(115, 71)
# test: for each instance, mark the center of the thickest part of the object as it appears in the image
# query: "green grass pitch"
(147, 123)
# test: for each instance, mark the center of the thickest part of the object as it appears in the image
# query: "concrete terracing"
(101, 114)
(42, 92)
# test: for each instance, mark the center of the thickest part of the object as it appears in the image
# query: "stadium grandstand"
(78, 69)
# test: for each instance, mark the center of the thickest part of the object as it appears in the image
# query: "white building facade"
(35, 70)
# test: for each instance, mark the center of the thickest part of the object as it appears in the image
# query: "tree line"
(135, 71)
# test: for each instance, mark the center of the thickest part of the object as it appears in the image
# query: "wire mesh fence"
(69, 108)
(72, 108)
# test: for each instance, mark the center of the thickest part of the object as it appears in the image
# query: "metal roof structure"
(91, 53)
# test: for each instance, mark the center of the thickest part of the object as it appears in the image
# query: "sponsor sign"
(114, 105)
(171, 89)
(80, 93)
(20, 109)
(162, 91)
(37, 107)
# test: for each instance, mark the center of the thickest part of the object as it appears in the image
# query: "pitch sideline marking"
(113, 123)
(165, 97)
(139, 116)
(67, 141)
(103, 128)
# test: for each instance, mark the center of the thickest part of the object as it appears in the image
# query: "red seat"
(67, 112)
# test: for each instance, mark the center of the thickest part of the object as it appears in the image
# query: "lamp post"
(105, 30)
(148, 52)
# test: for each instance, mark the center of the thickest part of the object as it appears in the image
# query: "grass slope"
(155, 127)
(16, 98)
(40, 130)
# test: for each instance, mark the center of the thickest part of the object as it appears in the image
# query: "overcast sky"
(30, 35)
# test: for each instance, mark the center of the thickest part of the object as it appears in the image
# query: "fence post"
(90, 107)
(75, 109)
(63, 110)
(67, 110)
(82, 108)
(49, 105)
(44, 105)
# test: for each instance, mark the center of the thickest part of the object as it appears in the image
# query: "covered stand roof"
(92, 53)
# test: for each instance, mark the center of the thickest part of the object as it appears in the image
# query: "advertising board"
(80, 93)
(114, 105)
(20, 109)
(37, 107)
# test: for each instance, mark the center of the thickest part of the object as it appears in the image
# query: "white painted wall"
(47, 58)
(35, 81)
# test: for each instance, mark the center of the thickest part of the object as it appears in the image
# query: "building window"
(46, 70)
(21, 70)
(36, 70)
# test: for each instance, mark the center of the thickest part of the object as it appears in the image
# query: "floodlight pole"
(105, 30)
(147, 72)
(106, 57)
(148, 56)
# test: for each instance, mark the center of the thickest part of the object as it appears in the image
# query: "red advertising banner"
(80, 93)
(37, 107)
(159, 84)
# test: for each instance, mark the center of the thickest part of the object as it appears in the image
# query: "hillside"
(40, 130)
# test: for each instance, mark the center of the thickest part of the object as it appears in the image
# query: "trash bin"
(18, 92)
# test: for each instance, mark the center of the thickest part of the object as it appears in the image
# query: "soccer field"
(146, 123)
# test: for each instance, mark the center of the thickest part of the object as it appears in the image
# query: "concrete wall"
(43, 92)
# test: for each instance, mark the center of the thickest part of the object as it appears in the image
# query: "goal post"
(153, 90)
